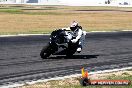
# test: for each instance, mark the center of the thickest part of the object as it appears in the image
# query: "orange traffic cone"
(85, 81)
(86, 74)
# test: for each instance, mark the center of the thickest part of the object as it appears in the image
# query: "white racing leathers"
(79, 35)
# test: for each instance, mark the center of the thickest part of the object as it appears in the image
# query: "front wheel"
(45, 52)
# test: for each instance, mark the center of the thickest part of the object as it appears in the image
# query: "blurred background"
(70, 2)
(44, 16)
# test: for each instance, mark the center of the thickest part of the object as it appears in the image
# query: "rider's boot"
(79, 49)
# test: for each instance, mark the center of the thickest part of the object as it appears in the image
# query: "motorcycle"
(59, 44)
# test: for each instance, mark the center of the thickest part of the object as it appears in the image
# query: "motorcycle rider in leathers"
(78, 34)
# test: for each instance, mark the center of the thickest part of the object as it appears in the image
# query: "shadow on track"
(75, 57)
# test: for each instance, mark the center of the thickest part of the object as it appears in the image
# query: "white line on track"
(21, 35)
(49, 34)
(62, 78)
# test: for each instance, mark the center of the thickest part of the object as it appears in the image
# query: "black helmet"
(74, 25)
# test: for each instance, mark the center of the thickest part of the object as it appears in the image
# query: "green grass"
(30, 11)
(19, 11)
(13, 11)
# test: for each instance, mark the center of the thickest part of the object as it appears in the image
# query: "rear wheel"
(69, 54)
(71, 49)
(46, 52)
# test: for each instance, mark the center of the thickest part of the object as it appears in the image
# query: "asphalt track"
(20, 60)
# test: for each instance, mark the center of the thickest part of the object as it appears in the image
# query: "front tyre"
(45, 52)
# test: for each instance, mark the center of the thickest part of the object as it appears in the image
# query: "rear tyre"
(45, 52)
(71, 49)
(69, 55)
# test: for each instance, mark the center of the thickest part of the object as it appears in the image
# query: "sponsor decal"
(85, 80)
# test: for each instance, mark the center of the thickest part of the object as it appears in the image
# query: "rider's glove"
(74, 40)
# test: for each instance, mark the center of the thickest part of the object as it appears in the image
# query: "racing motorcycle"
(59, 44)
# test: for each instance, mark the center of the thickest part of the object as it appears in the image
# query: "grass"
(44, 19)
(13, 11)
(74, 82)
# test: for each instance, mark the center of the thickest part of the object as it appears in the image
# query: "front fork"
(53, 46)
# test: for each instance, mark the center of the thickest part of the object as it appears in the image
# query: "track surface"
(20, 60)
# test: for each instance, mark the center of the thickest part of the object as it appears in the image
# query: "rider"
(78, 34)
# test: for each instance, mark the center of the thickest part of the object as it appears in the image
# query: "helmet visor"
(72, 28)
